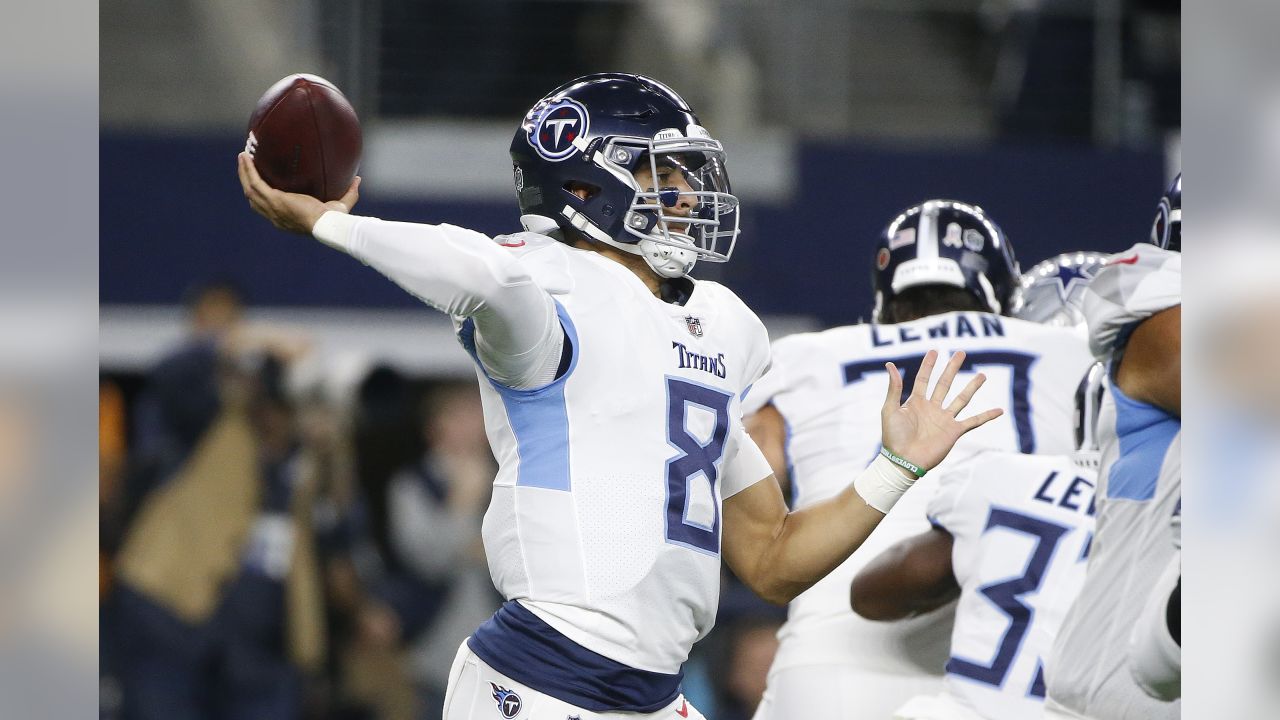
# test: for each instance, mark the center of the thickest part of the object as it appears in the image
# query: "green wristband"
(903, 463)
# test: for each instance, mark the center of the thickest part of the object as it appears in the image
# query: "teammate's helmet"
(1089, 398)
(592, 134)
(1166, 230)
(945, 242)
(1052, 291)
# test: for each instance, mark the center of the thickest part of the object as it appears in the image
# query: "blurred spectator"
(227, 543)
(112, 449)
(366, 668)
(752, 645)
(741, 649)
(435, 507)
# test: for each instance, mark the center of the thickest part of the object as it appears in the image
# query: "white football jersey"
(1139, 489)
(1023, 526)
(829, 387)
(606, 515)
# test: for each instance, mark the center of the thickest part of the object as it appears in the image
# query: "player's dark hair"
(925, 300)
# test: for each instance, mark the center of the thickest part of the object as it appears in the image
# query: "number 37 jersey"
(605, 520)
(1022, 528)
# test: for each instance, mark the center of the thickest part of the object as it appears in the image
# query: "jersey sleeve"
(517, 336)
(1133, 286)
(775, 381)
(744, 463)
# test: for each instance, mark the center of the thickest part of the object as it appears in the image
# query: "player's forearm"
(812, 542)
(912, 577)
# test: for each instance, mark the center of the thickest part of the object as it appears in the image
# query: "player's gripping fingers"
(250, 180)
(287, 211)
(961, 401)
(348, 200)
(253, 186)
(893, 396)
(921, 387)
(948, 376)
(980, 419)
(242, 174)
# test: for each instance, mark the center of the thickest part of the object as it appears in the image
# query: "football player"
(1010, 537)
(1134, 311)
(611, 385)
(945, 279)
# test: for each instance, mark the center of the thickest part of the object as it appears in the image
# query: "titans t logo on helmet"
(554, 129)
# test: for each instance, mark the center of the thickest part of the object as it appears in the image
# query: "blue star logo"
(1068, 278)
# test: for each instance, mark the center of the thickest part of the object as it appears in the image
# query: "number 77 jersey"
(829, 387)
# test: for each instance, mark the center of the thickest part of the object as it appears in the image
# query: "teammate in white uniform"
(813, 420)
(611, 385)
(1134, 310)
(1010, 537)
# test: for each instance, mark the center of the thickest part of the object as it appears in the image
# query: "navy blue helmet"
(592, 137)
(945, 242)
(1052, 292)
(1166, 231)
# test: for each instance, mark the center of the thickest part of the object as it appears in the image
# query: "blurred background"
(292, 465)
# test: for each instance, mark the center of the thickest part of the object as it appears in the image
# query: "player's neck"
(634, 263)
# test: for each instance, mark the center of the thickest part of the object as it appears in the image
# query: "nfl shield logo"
(694, 324)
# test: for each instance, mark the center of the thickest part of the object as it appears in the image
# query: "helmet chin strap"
(668, 261)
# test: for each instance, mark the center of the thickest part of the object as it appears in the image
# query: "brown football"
(304, 137)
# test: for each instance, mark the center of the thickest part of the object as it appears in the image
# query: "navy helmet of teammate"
(1051, 293)
(583, 152)
(1166, 230)
(942, 255)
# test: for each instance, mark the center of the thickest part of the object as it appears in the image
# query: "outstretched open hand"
(922, 430)
(293, 212)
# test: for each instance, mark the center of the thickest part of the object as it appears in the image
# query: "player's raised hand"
(293, 212)
(924, 430)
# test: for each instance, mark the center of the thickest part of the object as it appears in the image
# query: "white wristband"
(882, 483)
(335, 230)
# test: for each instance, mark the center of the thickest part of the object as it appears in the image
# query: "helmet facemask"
(685, 210)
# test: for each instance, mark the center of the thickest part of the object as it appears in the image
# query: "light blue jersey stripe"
(1145, 432)
(539, 419)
